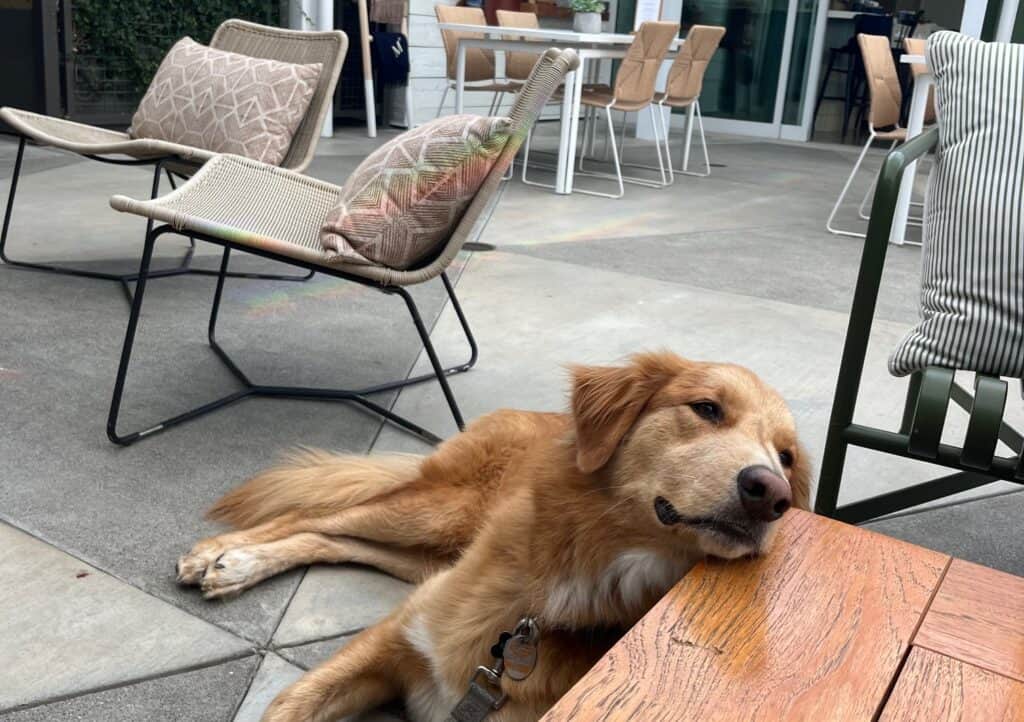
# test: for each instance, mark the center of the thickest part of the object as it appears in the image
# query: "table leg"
(460, 76)
(915, 123)
(574, 123)
(564, 164)
(691, 110)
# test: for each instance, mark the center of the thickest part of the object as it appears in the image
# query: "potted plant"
(587, 15)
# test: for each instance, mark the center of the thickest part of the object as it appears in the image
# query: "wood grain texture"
(978, 617)
(937, 688)
(814, 630)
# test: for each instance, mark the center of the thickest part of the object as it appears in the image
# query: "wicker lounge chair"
(248, 206)
(172, 159)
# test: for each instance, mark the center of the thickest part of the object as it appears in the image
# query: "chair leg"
(656, 128)
(704, 146)
(444, 97)
(435, 363)
(183, 267)
(846, 188)
(9, 212)
(526, 163)
(666, 129)
(615, 160)
(615, 152)
(358, 396)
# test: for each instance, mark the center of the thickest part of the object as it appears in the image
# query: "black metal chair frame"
(249, 388)
(928, 395)
(184, 267)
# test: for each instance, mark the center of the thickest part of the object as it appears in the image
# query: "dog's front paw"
(190, 569)
(234, 571)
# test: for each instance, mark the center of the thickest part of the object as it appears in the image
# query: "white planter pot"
(586, 22)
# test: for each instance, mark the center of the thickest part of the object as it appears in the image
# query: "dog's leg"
(242, 567)
(421, 519)
(365, 673)
(191, 567)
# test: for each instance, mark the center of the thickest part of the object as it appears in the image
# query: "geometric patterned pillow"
(972, 289)
(402, 203)
(225, 102)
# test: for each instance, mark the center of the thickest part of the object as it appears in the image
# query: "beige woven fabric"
(634, 83)
(686, 77)
(225, 102)
(280, 213)
(402, 203)
(883, 83)
(916, 46)
(518, 63)
(479, 61)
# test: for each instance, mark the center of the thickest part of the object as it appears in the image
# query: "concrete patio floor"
(733, 267)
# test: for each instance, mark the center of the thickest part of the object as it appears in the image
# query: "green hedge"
(121, 42)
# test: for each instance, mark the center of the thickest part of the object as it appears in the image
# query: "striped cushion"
(972, 290)
(402, 203)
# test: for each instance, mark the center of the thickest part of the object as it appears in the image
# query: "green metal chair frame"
(928, 395)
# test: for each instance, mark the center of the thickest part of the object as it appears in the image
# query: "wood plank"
(978, 617)
(813, 630)
(937, 688)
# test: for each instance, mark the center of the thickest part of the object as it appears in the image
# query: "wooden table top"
(835, 623)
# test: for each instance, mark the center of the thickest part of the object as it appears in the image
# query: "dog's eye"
(707, 410)
(786, 458)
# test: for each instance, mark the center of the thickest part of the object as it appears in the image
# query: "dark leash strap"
(516, 656)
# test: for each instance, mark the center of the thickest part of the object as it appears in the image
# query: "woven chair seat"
(92, 141)
(600, 96)
(254, 204)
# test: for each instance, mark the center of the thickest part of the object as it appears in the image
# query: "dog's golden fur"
(539, 514)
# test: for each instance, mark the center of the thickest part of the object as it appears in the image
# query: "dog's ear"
(607, 400)
(800, 479)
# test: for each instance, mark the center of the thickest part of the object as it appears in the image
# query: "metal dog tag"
(520, 657)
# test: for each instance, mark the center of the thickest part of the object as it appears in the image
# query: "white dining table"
(591, 48)
(915, 125)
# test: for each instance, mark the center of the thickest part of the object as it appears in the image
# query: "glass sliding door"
(757, 82)
(742, 79)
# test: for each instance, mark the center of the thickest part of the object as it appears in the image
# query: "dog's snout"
(765, 495)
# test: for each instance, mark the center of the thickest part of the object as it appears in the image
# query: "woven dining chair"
(241, 204)
(913, 46)
(173, 159)
(682, 91)
(633, 92)
(480, 66)
(518, 63)
(886, 98)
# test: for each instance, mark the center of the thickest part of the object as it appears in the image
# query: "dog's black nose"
(765, 495)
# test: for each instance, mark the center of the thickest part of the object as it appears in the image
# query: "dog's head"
(703, 452)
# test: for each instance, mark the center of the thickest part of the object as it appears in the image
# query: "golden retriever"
(578, 522)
